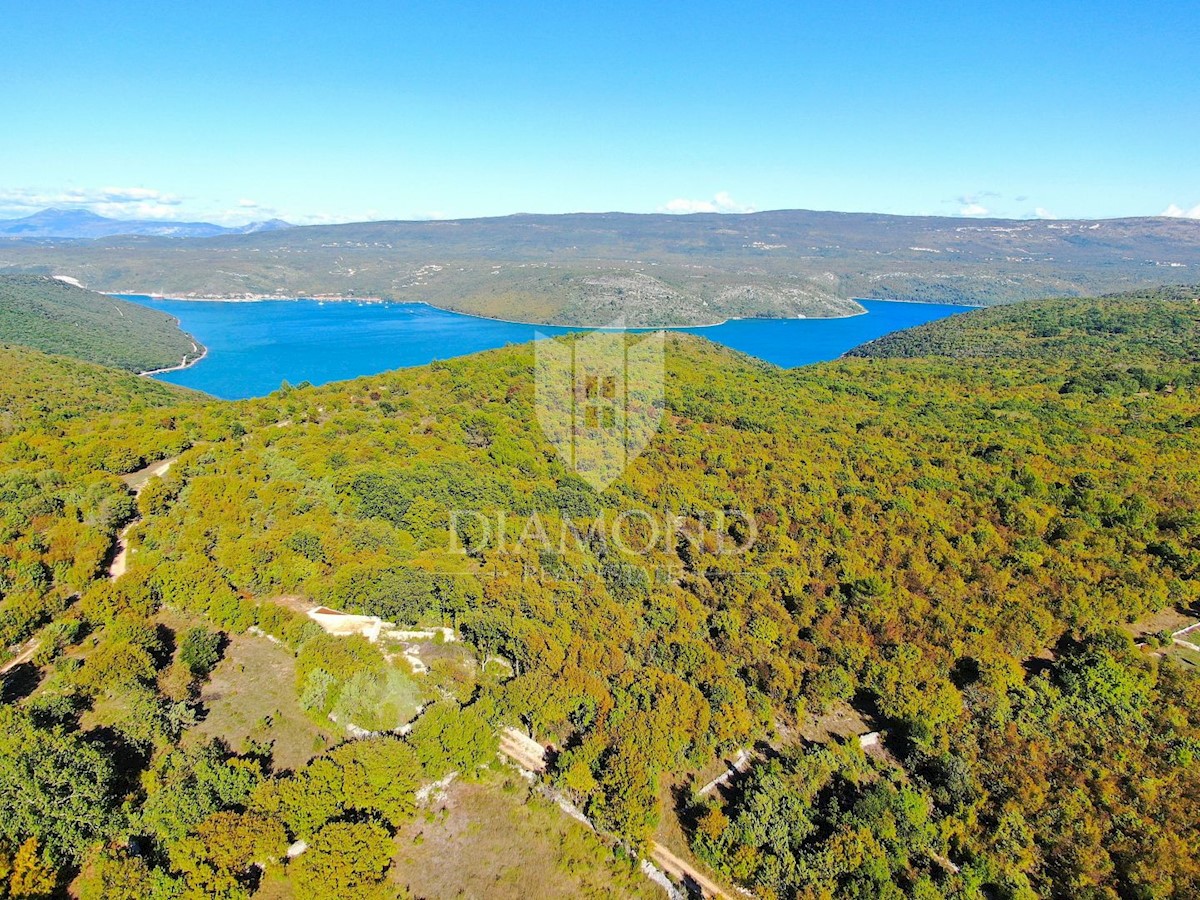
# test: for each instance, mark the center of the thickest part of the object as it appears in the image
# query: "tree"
(220, 853)
(377, 701)
(186, 786)
(344, 859)
(155, 497)
(54, 786)
(379, 775)
(304, 801)
(115, 874)
(33, 878)
(447, 737)
(200, 651)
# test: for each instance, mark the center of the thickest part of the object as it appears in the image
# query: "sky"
(327, 112)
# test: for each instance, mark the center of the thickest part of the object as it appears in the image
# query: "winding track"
(531, 756)
(137, 482)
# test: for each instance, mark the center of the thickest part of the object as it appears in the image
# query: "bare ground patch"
(251, 696)
(495, 840)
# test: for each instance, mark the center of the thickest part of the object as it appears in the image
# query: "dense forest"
(56, 317)
(946, 545)
(1153, 324)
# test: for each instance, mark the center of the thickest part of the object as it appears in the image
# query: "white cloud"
(972, 204)
(147, 209)
(1042, 213)
(135, 195)
(1178, 212)
(721, 202)
(248, 204)
(117, 202)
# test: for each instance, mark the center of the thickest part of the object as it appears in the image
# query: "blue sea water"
(254, 347)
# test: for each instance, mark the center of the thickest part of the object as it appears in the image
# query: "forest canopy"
(948, 544)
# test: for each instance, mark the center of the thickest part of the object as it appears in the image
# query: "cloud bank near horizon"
(1175, 211)
(142, 203)
(721, 202)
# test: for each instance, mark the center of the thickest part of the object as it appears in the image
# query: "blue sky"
(362, 110)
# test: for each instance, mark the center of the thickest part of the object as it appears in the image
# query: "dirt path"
(121, 561)
(184, 363)
(24, 656)
(739, 767)
(523, 750)
(685, 872)
(531, 756)
(136, 482)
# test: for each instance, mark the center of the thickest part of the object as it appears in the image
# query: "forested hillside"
(56, 317)
(1158, 324)
(40, 391)
(946, 546)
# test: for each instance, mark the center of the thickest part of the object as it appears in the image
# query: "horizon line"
(724, 214)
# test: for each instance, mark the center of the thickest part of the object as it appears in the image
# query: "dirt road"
(531, 756)
(24, 656)
(683, 871)
(523, 750)
(136, 482)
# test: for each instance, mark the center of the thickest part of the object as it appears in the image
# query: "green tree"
(33, 877)
(345, 859)
(379, 775)
(219, 855)
(200, 651)
(119, 875)
(448, 737)
(54, 786)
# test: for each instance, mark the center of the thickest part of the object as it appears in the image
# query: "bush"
(200, 651)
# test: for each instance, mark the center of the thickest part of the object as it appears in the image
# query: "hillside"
(43, 392)
(1156, 324)
(56, 317)
(588, 269)
(943, 548)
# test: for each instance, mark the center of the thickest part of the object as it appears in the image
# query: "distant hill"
(55, 317)
(589, 269)
(1163, 323)
(79, 223)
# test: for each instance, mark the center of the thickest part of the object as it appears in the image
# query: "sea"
(254, 347)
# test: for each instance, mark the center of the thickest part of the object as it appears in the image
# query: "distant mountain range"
(595, 268)
(79, 223)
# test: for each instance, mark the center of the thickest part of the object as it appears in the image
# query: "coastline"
(918, 302)
(330, 298)
(185, 364)
(253, 298)
(259, 298)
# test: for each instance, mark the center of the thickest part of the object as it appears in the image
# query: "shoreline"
(184, 364)
(253, 298)
(260, 298)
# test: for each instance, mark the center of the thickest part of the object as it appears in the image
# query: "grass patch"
(1190, 659)
(251, 698)
(495, 839)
